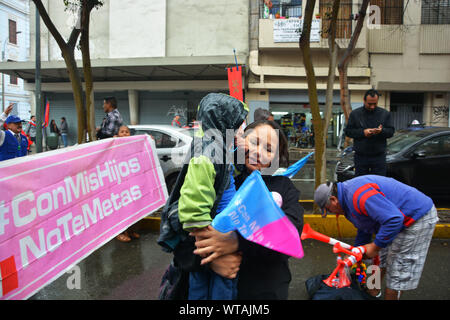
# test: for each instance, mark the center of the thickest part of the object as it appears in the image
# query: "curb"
(326, 226)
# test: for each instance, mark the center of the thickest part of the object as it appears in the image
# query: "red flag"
(235, 83)
(47, 114)
(8, 275)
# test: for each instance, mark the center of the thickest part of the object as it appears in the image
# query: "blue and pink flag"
(256, 216)
(293, 169)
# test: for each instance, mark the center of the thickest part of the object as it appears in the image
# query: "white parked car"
(172, 146)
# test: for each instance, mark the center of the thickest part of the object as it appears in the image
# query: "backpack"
(318, 290)
(171, 230)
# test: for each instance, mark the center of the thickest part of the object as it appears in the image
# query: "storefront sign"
(288, 30)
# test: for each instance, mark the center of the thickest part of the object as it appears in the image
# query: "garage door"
(62, 105)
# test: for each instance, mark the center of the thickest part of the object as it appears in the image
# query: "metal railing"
(436, 12)
(344, 21)
(283, 9)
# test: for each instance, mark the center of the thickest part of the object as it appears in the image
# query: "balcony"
(285, 35)
(390, 39)
(386, 39)
(434, 39)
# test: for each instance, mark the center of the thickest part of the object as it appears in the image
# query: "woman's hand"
(212, 244)
(227, 265)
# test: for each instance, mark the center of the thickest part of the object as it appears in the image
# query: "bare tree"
(86, 8)
(320, 124)
(333, 51)
(68, 53)
(345, 59)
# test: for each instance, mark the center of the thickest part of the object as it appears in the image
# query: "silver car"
(172, 146)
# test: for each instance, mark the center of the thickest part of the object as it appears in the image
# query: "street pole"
(37, 78)
(3, 84)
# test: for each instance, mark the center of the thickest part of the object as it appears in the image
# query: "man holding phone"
(370, 126)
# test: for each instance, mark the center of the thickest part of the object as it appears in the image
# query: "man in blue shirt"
(402, 218)
(13, 143)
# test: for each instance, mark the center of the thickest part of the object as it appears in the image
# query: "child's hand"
(228, 265)
(213, 244)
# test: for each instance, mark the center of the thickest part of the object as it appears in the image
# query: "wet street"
(132, 271)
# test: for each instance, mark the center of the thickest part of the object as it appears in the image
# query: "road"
(132, 271)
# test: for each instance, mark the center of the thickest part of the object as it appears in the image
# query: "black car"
(419, 157)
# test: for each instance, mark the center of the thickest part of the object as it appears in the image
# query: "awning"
(425, 86)
(132, 69)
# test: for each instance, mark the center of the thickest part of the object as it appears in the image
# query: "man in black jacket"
(370, 126)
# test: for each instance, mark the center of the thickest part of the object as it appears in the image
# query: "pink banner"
(58, 207)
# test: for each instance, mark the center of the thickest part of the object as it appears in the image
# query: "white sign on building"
(288, 30)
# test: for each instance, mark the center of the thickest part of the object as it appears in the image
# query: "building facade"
(410, 62)
(15, 46)
(157, 57)
(277, 78)
(403, 52)
(160, 57)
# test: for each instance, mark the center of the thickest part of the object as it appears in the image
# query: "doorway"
(406, 107)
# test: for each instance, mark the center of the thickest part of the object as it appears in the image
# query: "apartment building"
(157, 57)
(160, 57)
(15, 43)
(402, 51)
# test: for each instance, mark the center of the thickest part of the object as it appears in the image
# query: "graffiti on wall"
(440, 113)
(177, 111)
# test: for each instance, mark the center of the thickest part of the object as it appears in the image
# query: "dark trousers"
(370, 165)
(208, 285)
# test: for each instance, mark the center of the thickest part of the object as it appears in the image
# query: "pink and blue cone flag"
(293, 169)
(256, 216)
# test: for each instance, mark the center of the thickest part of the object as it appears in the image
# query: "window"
(344, 22)
(391, 11)
(438, 146)
(400, 141)
(162, 140)
(436, 12)
(13, 80)
(283, 8)
(12, 31)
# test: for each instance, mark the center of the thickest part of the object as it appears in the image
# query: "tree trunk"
(333, 50)
(319, 134)
(343, 66)
(67, 51)
(87, 71)
(345, 59)
(345, 98)
(77, 91)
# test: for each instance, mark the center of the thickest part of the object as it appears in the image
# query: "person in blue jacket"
(13, 143)
(401, 217)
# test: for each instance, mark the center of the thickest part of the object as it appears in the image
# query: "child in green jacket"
(209, 185)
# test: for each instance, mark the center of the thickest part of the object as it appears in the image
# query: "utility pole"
(37, 78)
(3, 84)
